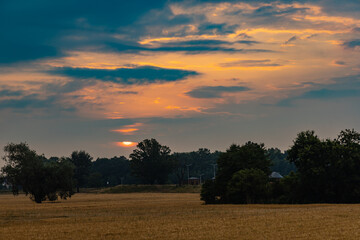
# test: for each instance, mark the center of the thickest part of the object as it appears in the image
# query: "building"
(275, 176)
(194, 181)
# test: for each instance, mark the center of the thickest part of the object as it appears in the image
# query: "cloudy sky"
(88, 75)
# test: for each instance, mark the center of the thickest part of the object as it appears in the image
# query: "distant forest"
(312, 170)
(109, 172)
(151, 163)
(114, 171)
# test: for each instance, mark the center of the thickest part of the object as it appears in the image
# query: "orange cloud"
(128, 129)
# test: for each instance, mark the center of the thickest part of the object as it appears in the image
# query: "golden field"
(171, 216)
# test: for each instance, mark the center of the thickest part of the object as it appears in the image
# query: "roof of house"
(275, 175)
(193, 178)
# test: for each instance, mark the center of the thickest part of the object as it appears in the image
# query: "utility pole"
(214, 165)
(188, 165)
(200, 177)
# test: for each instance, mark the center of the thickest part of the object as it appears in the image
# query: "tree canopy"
(82, 163)
(151, 162)
(279, 162)
(328, 170)
(237, 158)
(247, 186)
(40, 178)
(200, 162)
(109, 172)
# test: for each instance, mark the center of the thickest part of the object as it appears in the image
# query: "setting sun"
(126, 144)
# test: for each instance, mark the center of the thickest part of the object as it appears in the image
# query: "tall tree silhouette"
(151, 162)
(82, 162)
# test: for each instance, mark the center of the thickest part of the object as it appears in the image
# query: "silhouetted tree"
(236, 158)
(38, 177)
(180, 160)
(110, 172)
(151, 162)
(208, 192)
(279, 163)
(82, 162)
(328, 170)
(201, 162)
(95, 180)
(226, 189)
(247, 186)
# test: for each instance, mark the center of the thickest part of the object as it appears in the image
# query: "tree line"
(150, 163)
(328, 171)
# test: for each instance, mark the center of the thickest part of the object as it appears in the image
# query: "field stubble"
(171, 216)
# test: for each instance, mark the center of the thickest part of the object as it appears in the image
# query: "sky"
(91, 75)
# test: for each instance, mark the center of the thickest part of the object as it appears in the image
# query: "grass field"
(152, 188)
(171, 216)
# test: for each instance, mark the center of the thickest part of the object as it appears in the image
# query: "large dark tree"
(82, 162)
(40, 178)
(247, 186)
(328, 170)
(180, 167)
(151, 162)
(236, 158)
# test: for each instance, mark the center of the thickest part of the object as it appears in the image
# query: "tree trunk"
(248, 199)
(77, 189)
(38, 199)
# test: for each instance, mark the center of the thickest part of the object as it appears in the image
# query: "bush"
(208, 192)
(38, 177)
(247, 186)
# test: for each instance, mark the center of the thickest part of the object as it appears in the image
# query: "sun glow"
(126, 144)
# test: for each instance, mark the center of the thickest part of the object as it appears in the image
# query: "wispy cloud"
(136, 75)
(194, 46)
(10, 93)
(215, 91)
(344, 87)
(339, 63)
(35, 101)
(354, 43)
(290, 40)
(251, 63)
(128, 129)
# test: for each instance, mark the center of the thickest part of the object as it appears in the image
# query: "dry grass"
(152, 189)
(171, 216)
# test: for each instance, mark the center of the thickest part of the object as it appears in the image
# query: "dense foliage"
(326, 171)
(245, 163)
(314, 170)
(82, 163)
(110, 172)
(40, 178)
(279, 162)
(247, 186)
(198, 164)
(151, 162)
